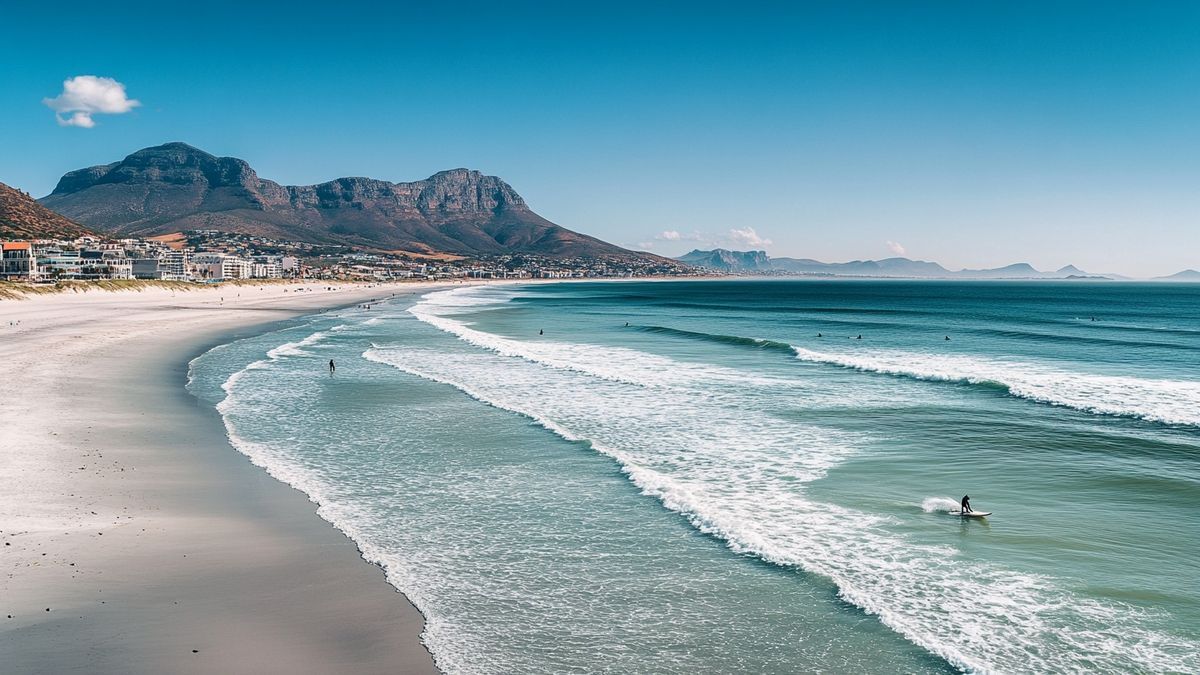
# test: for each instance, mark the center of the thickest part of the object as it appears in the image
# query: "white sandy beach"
(135, 539)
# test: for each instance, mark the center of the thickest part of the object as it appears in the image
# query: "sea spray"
(939, 505)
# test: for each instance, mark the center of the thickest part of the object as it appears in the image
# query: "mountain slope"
(176, 187)
(23, 218)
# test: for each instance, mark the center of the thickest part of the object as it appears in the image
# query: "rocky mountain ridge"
(727, 261)
(174, 187)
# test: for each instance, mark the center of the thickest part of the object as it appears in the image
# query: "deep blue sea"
(755, 475)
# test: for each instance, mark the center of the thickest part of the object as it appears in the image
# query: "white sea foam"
(287, 349)
(1156, 400)
(438, 310)
(741, 479)
(297, 348)
(739, 474)
(343, 514)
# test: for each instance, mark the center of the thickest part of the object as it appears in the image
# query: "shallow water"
(715, 488)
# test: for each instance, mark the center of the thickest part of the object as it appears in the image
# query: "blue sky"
(971, 133)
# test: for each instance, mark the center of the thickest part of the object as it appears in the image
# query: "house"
(17, 261)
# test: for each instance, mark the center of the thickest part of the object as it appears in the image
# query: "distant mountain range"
(175, 187)
(23, 218)
(758, 262)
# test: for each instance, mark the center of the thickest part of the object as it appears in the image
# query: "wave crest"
(1165, 401)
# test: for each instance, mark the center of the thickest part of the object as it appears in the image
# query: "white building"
(266, 270)
(57, 263)
(220, 266)
(173, 265)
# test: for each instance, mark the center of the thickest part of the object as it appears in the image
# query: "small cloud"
(896, 247)
(646, 245)
(748, 237)
(86, 95)
(676, 235)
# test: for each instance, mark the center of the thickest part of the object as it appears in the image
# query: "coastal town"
(210, 256)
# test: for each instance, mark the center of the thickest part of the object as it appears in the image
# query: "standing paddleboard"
(970, 514)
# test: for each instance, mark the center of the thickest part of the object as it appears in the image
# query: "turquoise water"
(682, 477)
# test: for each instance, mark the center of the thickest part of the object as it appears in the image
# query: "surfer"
(858, 338)
(331, 367)
(947, 338)
(818, 335)
(965, 506)
(541, 332)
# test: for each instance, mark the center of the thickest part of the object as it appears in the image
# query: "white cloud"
(676, 235)
(896, 247)
(748, 237)
(85, 95)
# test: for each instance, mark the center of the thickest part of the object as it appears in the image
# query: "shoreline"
(155, 544)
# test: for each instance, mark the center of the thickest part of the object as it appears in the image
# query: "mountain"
(889, 267)
(759, 261)
(23, 218)
(174, 187)
(1185, 275)
(1014, 271)
(723, 260)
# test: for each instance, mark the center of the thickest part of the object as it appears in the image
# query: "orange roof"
(15, 245)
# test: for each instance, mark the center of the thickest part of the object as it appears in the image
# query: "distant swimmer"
(331, 367)
(627, 324)
(947, 338)
(819, 335)
(965, 505)
(541, 332)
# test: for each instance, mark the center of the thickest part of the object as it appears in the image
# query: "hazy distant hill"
(889, 267)
(176, 187)
(759, 261)
(23, 218)
(1014, 271)
(1185, 275)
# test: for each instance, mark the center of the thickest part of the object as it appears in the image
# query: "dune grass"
(17, 291)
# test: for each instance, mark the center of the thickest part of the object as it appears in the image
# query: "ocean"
(754, 475)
